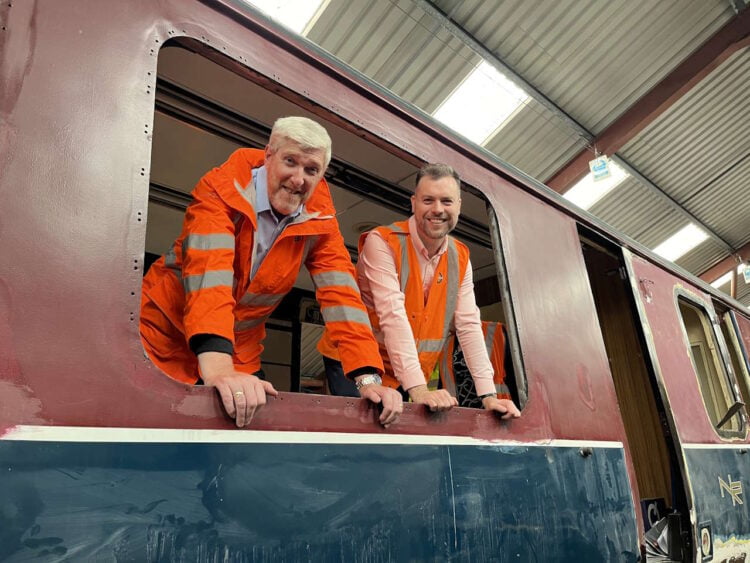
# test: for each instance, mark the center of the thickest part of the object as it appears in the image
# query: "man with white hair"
(252, 224)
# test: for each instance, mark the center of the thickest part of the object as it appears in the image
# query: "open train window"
(204, 112)
(737, 354)
(722, 403)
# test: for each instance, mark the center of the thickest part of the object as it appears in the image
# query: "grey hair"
(437, 171)
(308, 134)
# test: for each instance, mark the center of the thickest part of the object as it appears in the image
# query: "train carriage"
(631, 374)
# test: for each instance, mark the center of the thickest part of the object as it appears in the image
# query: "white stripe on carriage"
(734, 446)
(176, 435)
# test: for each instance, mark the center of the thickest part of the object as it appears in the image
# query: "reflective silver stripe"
(502, 388)
(403, 275)
(344, 313)
(310, 241)
(170, 261)
(248, 192)
(335, 278)
(445, 365)
(450, 384)
(453, 283)
(170, 258)
(208, 242)
(489, 339)
(261, 299)
(251, 323)
(213, 278)
(431, 345)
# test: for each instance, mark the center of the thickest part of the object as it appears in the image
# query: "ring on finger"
(239, 394)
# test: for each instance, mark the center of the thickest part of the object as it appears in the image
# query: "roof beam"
(735, 35)
(728, 263)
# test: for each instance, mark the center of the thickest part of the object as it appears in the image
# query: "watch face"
(369, 380)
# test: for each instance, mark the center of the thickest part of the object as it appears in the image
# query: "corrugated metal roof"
(397, 45)
(702, 256)
(534, 140)
(690, 147)
(593, 58)
(639, 213)
(698, 151)
(726, 205)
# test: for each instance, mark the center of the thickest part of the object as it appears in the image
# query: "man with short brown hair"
(416, 282)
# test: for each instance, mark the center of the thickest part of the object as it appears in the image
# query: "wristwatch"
(369, 379)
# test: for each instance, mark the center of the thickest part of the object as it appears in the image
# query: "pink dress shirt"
(378, 282)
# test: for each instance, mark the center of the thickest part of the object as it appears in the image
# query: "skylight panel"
(586, 192)
(681, 242)
(297, 15)
(483, 101)
(725, 279)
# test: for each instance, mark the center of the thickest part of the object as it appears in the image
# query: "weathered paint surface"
(657, 292)
(74, 188)
(719, 478)
(313, 502)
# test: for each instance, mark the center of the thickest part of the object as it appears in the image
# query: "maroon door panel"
(656, 294)
(560, 339)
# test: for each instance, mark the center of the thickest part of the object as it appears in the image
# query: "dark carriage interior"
(204, 112)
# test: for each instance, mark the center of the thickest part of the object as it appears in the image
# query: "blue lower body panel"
(313, 502)
(718, 477)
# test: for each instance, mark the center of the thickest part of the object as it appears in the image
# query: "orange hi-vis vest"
(431, 322)
(203, 286)
(494, 342)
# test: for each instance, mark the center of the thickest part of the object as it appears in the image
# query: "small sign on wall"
(599, 168)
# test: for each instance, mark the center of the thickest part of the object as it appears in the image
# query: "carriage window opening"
(205, 112)
(736, 356)
(716, 388)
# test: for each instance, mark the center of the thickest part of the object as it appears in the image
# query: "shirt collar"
(260, 177)
(417, 242)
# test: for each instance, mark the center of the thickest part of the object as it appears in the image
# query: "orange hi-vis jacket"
(431, 322)
(494, 341)
(202, 284)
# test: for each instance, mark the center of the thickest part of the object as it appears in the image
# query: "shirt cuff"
(485, 387)
(200, 343)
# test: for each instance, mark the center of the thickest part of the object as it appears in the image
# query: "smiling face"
(436, 205)
(293, 174)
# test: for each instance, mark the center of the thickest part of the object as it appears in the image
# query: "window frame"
(722, 374)
(493, 229)
(506, 302)
(736, 345)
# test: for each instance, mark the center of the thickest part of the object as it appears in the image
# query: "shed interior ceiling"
(588, 63)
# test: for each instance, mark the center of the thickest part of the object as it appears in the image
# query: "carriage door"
(703, 410)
